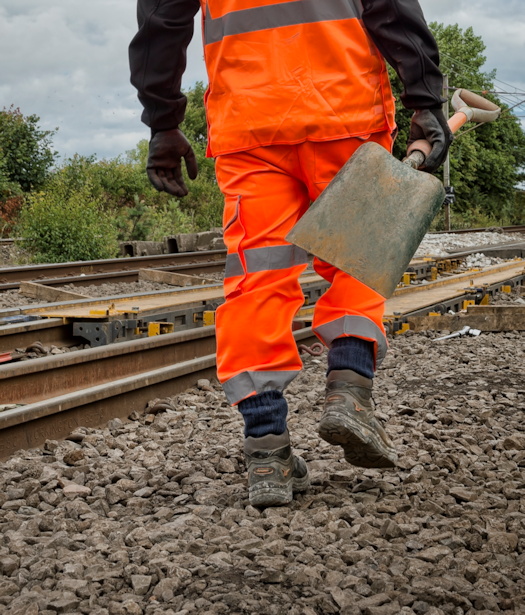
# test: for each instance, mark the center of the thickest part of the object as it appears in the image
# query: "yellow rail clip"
(160, 328)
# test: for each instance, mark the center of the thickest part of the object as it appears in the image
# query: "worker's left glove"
(431, 125)
(166, 150)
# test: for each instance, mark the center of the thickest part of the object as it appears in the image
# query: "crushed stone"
(442, 244)
(151, 516)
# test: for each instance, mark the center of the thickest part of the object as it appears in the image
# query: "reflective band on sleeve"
(245, 384)
(278, 15)
(354, 325)
(233, 266)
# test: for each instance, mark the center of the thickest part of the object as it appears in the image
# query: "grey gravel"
(151, 515)
(441, 244)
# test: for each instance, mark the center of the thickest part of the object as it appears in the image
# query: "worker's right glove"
(431, 125)
(166, 149)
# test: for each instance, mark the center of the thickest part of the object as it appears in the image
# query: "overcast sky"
(66, 61)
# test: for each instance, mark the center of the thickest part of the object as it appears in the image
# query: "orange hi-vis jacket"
(284, 72)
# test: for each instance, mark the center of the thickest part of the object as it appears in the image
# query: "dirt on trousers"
(152, 517)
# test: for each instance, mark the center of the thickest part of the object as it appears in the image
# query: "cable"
(488, 91)
(456, 61)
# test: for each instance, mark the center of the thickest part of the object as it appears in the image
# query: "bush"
(152, 222)
(60, 224)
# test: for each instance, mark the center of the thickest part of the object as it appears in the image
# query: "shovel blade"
(371, 218)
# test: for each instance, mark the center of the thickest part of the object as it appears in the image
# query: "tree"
(204, 200)
(486, 163)
(26, 149)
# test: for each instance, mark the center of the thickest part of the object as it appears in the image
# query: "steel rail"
(508, 250)
(124, 269)
(519, 228)
(115, 277)
(57, 394)
(20, 327)
(57, 331)
(83, 269)
(99, 384)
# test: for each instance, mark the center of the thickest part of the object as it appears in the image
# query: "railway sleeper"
(474, 296)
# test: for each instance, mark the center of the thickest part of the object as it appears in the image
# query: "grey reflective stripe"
(233, 266)
(360, 326)
(277, 16)
(270, 258)
(274, 257)
(241, 386)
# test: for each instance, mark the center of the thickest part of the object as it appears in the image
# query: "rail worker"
(295, 87)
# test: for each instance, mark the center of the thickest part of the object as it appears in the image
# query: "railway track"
(116, 319)
(116, 379)
(108, 320)
(84, 273)
(53, 395)
(100, 384)
(519, 228)
(106, 272)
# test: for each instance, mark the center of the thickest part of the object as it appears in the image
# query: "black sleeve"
(157, 58)
(400, 32)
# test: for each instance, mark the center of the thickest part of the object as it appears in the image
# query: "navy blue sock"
(352, 353)
(263, 414)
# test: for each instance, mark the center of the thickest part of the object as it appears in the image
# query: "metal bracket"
(102, 333)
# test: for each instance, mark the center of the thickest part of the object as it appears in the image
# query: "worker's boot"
(274, 472)
(348, 420)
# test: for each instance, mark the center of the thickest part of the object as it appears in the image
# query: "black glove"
(166, 149)
(431, 125)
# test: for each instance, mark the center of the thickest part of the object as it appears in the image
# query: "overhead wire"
(507, 97)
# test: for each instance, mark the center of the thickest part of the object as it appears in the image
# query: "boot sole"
(271, 494)
(362, 446)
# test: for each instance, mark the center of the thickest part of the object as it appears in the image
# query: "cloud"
(68, 64)
(501, 30)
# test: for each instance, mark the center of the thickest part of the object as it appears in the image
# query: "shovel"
(371, 218)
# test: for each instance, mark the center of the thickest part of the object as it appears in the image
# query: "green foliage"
(517, 210)
(8, 188)
(123, 189)
(204, 202)
(486, 164)
(195, 126)
(65, 222)
(115, 182)
(168, 219)
(120, 187)
(26, 150)
(134, 223)
(145, 223)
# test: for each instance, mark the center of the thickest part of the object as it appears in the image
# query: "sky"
(66, 61)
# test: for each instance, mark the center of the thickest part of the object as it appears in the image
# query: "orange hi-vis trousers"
(266, 190)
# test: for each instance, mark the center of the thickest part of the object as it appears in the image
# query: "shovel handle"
(469, 107)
